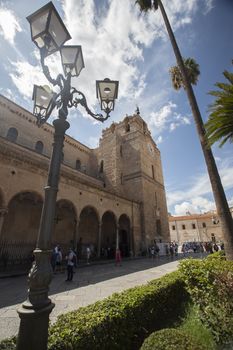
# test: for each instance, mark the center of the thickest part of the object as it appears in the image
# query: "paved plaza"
(91, 283)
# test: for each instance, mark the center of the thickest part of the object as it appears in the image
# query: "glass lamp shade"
(44, 102)
(107, 92)
(72, 59)
(47, 29)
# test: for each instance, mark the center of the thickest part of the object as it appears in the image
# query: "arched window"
(39, 146)
(12, 134)
(101, 169)
(78, 164)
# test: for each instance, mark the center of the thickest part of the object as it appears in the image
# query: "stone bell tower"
(131, 165)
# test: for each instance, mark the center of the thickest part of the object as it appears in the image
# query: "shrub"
(8, 344)
(210, 284)
(123, 320)
(192, 325)
(171, 339)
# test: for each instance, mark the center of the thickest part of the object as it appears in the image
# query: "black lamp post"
(49, 34)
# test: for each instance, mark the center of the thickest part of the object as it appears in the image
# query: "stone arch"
(20, 227)
(88, 230)
(65, 222)
(124, 235)
(22, 220)
(108, 234)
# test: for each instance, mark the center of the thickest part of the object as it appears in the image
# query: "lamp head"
(48, 31)
(107, 92)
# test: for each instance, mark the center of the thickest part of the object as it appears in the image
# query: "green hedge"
(123, 320)
(210, 284)
(171, 339)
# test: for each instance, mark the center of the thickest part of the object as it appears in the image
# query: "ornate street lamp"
(49, 34)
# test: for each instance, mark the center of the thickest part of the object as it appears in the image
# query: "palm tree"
(218, 191)
(193, 72)
(219, 126)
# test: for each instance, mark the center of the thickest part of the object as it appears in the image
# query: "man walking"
(71, 258)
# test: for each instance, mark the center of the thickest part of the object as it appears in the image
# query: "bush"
(192, 325)
(123, 320)
(210, 284)
(8, 344)
(171, 339)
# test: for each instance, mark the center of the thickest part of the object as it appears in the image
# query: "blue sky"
(120, 44)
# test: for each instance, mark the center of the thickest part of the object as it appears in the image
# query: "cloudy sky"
(121, 44)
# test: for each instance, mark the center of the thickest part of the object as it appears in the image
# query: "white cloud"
(25, 75)
(113, 37)
(194, 196)
(9, 25)
(159, 139)
(93, 142)
(167, 117)
(195, 205)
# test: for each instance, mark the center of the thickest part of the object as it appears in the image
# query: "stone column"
(131, 241)
(117, 237)
(99, 240)
(3, 212)
(76, 232)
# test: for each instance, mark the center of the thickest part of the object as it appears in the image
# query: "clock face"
(150, 148)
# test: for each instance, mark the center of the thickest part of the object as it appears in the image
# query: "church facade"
(112, 193)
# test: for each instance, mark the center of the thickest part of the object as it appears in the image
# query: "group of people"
(57, 259)
(154, 251)
(201, 247)
(70, 259)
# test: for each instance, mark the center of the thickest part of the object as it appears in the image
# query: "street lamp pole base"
(33, 330)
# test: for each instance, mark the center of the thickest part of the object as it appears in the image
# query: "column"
(3, 212)
(99, 240)
(76, 232)
(117, 237)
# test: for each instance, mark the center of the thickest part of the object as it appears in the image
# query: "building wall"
(115, 179)
(196, 227)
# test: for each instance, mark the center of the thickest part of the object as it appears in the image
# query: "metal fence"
(13, 253)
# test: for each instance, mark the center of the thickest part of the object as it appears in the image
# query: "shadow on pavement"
(14, 290)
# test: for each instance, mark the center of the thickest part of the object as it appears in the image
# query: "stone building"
(114, 190)
(196, 227)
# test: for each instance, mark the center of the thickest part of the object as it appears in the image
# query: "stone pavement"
(92, 283)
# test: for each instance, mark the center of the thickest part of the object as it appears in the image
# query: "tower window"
(183, 227)
(193, 226)
(39, 146)
(101, 169)
(204, 224)
(78, 164)
(173, 227)
(158, 227)
(12, 134)
(121, 179)
(153, 172)
(127, 127)
(121, 154)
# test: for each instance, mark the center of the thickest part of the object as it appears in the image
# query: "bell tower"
(132, 168)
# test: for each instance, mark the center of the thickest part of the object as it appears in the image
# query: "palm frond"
(219, 127)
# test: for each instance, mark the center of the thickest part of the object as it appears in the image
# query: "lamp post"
(49, 34)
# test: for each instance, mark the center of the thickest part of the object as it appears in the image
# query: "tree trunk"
(218, 191)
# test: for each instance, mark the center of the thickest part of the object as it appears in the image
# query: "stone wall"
(114, 181)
